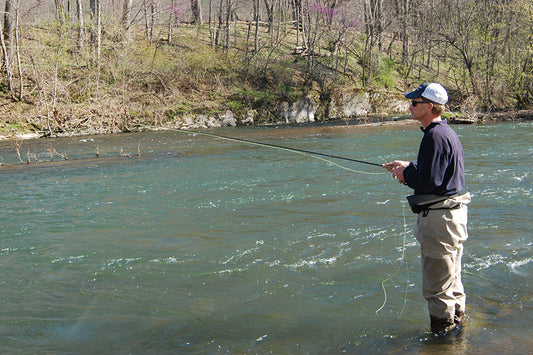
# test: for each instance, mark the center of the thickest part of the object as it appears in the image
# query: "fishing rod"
(304, 151)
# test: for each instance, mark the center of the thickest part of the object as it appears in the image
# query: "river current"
(172, 242)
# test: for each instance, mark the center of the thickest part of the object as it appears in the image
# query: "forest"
(119, 65)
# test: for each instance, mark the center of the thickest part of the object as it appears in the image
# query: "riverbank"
(189, 82)
(492, 117)
(397, 121)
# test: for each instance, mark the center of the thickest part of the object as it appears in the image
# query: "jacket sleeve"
(427, 173)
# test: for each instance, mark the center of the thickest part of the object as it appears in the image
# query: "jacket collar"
(433, 124)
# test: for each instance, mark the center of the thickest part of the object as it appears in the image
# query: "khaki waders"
(441, 231)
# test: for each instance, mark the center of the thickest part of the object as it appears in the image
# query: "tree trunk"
(256, 20)
(126, 19)
(5, 39)
(91, 27)
(171, 19)
(92, 6)
(126, 14)
(404, 11)
(60, 11)
(98, 31)
(374, 35)
(269, 6)
(149, 15)
(211, 31)
(228, 24)
(196, 11)
(296, 18)
(8, 23)
(220, 21)
(17, 51)
(81, 25)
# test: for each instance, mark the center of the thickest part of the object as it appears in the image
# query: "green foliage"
(180, 109)
(138, 114)
(387, 75)
(4, 89)
(252, 98)
(236, 106)
(450, 115)
(11, 127)
(202, 59)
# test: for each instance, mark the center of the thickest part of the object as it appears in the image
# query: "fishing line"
(402, 261)
(316, 155)
(323, 156)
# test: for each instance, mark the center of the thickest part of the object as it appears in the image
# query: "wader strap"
(424, 203)
(426, 211)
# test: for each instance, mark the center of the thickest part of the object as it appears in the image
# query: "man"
(437, 178)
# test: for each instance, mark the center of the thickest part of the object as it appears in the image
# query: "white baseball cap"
(430, 91)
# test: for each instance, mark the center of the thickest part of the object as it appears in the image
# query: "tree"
(196, 10)
(256, 22)
(6, 38)
(269, 7)
(401, 26)
(8, 22)
(229, 9)
(60, 11)
(126, 14)
(92, 6)
(81, 24)
(98, 14)
(149, 18)
(17, 51)
(519, 52)
(126, 18)
(373, 38)
(4, 41)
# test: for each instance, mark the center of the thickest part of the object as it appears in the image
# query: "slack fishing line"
(402, 262)
(316, 155)
(323, 156)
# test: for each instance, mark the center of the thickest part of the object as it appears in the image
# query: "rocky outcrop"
(301, 111)
(225, 119)
(350, 105)
(345, 105)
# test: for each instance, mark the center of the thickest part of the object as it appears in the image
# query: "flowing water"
(202, 245)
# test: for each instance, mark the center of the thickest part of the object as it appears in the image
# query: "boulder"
(301, 111)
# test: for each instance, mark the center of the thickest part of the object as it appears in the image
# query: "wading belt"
(419, 203)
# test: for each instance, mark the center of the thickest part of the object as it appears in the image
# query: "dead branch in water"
(122, 154)
(53, 151)
(17, 144)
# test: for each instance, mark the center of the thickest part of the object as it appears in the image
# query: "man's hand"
(396, 168)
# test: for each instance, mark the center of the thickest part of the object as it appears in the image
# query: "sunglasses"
(414, 103)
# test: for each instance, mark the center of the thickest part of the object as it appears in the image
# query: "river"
(202, 245)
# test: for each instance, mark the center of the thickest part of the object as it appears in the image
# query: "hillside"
(231, 73)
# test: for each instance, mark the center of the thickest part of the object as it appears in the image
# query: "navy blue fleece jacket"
(439, 169)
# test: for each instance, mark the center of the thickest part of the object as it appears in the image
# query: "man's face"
(418, 108)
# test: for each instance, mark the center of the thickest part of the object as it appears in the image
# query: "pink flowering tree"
(327, 27)
(179, 11)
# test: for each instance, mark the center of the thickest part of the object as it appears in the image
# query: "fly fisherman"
(437, 178)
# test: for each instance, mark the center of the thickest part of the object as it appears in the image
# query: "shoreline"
(494, 117)
(396, 121)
